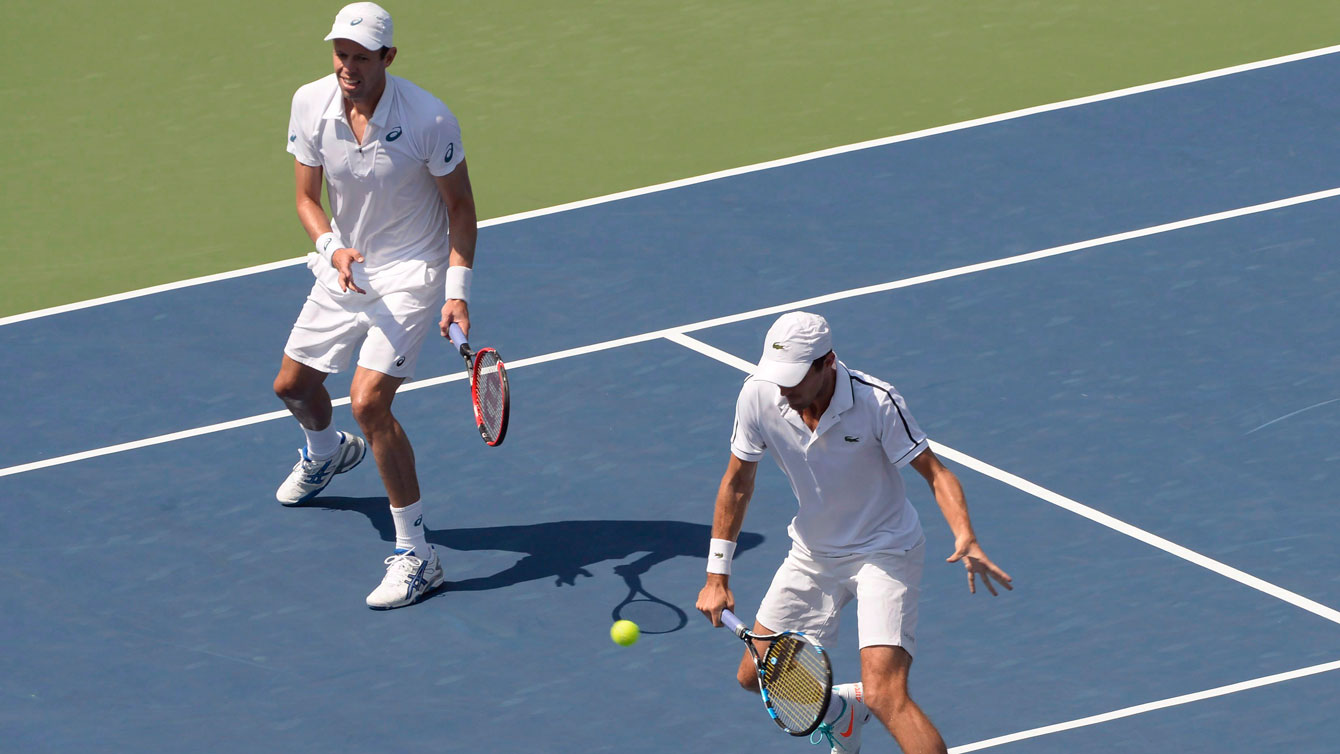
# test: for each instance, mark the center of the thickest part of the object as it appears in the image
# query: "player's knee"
(885, 694)
(287, 388)
(748, 679)
(369, 412)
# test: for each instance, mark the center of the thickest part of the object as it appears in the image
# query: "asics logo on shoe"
(315, 477)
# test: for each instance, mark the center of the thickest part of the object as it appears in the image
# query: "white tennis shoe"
(844, 733)
(309, 477)
(408, 578)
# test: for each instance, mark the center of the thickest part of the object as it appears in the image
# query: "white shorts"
(391, 327)
(809, 592)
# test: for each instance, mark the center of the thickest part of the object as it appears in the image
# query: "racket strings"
(796, 674)
(491, 390)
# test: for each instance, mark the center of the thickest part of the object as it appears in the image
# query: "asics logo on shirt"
(292, 137)
(400, 362)
(395, 134)
(451, 150)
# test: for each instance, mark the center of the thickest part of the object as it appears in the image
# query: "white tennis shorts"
(809, 592)
(390, 326)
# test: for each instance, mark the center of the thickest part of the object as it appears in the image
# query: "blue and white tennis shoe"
(408, 579)
(309, 476)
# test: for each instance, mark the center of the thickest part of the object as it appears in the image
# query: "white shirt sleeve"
(746, 442)
(301, 139)
(443, 149)
(900, 436)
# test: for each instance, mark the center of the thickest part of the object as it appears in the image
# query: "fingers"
(987, 570)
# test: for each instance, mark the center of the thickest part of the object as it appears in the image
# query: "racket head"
(490, 394)
(797, 682)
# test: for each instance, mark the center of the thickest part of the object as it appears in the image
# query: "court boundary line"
(720, 174)
(715, 322)
(1140, 709)
(1074, 506)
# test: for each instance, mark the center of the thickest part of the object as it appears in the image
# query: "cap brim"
(782, 373)
(366, 42)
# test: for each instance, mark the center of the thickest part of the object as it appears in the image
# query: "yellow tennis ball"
(624, 632)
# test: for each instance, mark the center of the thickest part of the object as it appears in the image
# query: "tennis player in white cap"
(393, 258)
(841, 437)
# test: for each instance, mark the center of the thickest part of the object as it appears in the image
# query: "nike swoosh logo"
(851, 722)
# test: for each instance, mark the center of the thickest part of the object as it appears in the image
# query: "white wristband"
(327, 244)
(458, 282)
(719, 555)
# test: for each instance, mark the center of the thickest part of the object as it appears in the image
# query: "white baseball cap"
(793, 342)
(365, 23)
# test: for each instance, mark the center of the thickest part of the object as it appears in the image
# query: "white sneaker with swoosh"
(843, 735)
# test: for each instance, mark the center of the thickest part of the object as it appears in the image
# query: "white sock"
(409, 530)
(322, 443)
(851, 693)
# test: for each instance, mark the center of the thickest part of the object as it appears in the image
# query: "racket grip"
(729, 620)
(457, 336)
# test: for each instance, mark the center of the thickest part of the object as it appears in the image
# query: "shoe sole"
(305, 498)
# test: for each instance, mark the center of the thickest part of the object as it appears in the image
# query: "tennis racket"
(795, 677)
(488, 387)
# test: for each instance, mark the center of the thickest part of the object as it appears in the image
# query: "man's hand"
(715, 597)
(344, 260)
(978, 564)
(457, 311)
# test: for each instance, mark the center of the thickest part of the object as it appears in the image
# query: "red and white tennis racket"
(488, 387)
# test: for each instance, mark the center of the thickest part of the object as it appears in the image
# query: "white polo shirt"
(382, 193)
(845, 473)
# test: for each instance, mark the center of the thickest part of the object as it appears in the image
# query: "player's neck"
(363, 107)
(812, 413)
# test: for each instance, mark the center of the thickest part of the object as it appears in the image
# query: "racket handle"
(729, 620)
(458, 338)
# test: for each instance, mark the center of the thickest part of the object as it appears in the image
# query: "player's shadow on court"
(562, 550)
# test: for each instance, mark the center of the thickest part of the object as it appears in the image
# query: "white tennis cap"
(793, 342)
(365, 23)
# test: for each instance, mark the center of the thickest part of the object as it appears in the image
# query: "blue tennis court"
(1117, 320)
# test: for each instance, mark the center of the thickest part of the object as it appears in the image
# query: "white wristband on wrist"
(458, 282)
(327, 244)
(719, 555)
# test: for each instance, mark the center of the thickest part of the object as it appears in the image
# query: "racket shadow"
(562, 551)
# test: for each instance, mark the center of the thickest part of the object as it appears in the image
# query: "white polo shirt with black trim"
(845, 474)
(383, 197)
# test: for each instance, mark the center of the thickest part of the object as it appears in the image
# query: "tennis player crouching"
(841, 437)
(398, 249)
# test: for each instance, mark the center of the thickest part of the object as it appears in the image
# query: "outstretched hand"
(978, 564)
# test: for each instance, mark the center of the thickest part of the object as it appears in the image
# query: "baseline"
(720, 174)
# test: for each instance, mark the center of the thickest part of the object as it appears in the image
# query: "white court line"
(720, 174)
(1148, 707)
(718, 321)
(1061, 501)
